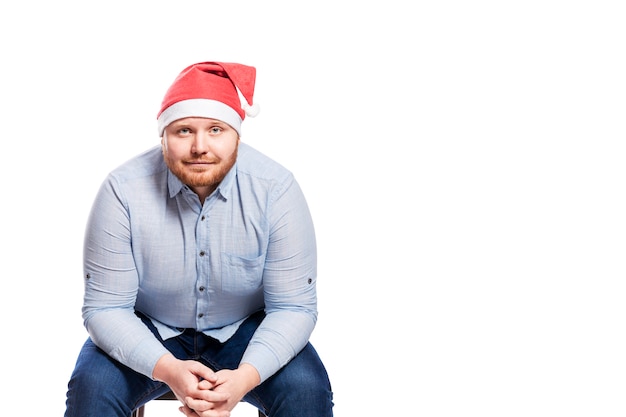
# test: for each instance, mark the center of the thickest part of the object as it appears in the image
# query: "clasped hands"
(203, 392)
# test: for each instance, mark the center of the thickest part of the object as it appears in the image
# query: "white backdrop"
(464, 164)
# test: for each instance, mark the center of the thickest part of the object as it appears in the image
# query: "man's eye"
(216, 129)
(183, 131)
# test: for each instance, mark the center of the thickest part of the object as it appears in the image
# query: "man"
(200, 269)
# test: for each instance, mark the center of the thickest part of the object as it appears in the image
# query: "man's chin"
(199, 181)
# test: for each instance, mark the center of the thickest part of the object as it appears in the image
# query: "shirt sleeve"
(289, 281)
(111, 284)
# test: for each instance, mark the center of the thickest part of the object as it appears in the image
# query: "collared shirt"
(151, 246)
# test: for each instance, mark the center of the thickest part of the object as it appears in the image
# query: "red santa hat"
(211, 90)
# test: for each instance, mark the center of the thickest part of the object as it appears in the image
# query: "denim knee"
(302, 388)
(102, 386)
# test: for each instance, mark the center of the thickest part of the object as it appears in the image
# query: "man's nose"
(200, 142)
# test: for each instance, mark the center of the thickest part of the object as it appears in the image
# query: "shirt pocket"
(242, 275)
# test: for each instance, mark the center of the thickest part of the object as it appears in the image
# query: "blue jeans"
(102, 387)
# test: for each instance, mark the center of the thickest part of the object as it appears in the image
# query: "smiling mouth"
(200, 162)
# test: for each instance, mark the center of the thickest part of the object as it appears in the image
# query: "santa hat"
(211, 90)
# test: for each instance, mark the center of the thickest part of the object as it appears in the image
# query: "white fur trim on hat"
(199, 107)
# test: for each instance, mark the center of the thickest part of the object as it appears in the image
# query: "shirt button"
(202, 253)
(200, 315)
(201, 288)
(202, 218)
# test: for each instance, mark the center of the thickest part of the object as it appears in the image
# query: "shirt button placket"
(203, 268)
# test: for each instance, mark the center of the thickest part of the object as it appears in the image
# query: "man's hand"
(184, 378)
(233, 384)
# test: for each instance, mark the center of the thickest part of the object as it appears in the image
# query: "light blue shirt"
(151, 246)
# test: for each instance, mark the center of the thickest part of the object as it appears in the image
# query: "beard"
(210, 176)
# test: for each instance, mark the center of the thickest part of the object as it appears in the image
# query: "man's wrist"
(250, 375)
(163, 366)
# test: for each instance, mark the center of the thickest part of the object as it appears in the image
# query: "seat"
(167, 396)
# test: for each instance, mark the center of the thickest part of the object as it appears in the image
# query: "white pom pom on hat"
(252, 110)
(211, 90)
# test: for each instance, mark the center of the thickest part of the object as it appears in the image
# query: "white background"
(463, 161)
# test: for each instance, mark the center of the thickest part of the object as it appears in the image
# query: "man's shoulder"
(253, 162)
(146, 164)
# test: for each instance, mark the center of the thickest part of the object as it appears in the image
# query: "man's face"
(200, 152)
